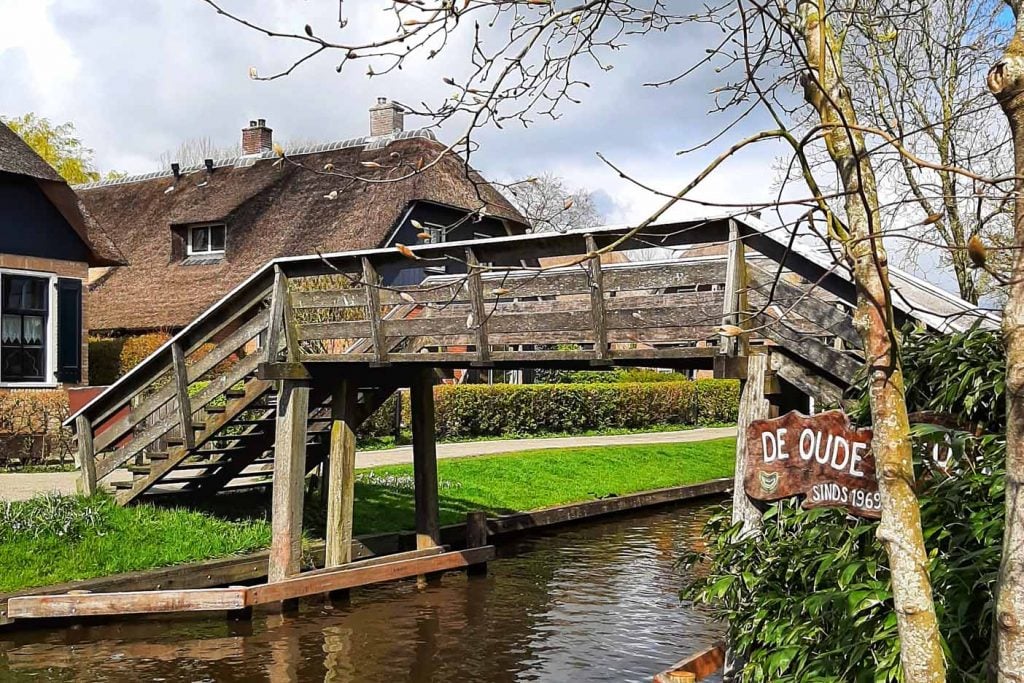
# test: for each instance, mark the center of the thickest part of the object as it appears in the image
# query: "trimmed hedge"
(104, 360)
(137, 349)
(474, 410)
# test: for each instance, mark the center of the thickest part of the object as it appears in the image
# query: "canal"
(593, 602)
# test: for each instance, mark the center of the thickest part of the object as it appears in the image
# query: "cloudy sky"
(138, 77)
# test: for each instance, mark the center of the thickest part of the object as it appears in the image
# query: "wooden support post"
(289, 478)
(475, 285)
(188, 434)
(371, 284)
(476, 537)
(341, 474)
(424, 458)
(735, 294)
(753, 406)
(599, 323)
(86, 455)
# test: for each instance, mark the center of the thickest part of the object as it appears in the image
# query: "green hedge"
(474, 410)
(104, 360)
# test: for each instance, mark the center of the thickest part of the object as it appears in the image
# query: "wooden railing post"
(371, 285)
(599, 321)
(180, 370)
(86, 455)
(424, 454)
(735, 300)
(289, 478)
(475, 284)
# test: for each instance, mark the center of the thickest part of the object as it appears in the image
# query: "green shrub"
(382, 421)
(499, 410)
(811, 598)
(104, 360)
(136, 349)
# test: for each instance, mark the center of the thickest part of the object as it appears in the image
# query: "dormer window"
(207, 240)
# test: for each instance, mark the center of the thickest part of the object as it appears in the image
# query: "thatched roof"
(272, 208)
(17, 158)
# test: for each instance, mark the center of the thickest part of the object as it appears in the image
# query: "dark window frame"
(22, 312)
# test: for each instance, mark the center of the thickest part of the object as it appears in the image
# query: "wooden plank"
(480, 313)
(86, 455)
(526, 284)
(341, 475)
(424, 456)
(355, 576)
(137, 602)
(184, 403)
(824, 392)
(753, 406)
(734, 301)
(371, 286)
(289, 480)
(597, 308)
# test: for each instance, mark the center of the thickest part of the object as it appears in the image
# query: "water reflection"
(596, 603)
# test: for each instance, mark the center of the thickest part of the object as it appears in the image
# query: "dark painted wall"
(439, 215)
(31, 226)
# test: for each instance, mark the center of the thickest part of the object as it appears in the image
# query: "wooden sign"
(820, 457)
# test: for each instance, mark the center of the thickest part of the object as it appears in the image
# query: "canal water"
(594, 602)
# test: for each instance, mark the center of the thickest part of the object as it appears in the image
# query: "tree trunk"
(900, 526)
(1006, 80)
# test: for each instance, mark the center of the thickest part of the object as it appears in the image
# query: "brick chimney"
(386, 118)
(257, 138)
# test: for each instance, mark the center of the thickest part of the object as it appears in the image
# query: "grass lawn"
(46, 543)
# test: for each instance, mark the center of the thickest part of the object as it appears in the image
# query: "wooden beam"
(188, 434)
(824, 392)
(341, 477)
(753, 406)
(474, 283)
(424, 455)
(135, 602)
(86, 455)
(371, 286)
(822, 356)
(276, 371)
(289, 478)
(598, 322)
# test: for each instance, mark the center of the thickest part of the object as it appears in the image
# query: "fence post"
(86, 455)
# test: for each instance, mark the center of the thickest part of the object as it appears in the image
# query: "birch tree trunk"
(1006, 81)
(900, 526)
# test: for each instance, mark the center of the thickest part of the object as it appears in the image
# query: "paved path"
(22, 486)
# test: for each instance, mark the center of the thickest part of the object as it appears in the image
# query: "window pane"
(200, 239)
(20, 364)
(24, 293)
(10, 329)
(217, 238)
(33, 330)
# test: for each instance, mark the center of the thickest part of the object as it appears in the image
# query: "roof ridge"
(366, 141)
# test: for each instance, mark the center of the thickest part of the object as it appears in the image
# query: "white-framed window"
(28, 321)
(207, 240)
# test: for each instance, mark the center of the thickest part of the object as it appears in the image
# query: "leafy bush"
(52, 514)
(104, 360)
(497, 410)
(136, 349)
(31, 432)
(607, 376)
(810, 600)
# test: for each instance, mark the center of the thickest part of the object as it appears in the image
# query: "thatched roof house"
(192, 234)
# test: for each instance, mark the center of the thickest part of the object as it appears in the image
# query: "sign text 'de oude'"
(821, 457)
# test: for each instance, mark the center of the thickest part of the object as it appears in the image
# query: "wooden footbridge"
(274, 380)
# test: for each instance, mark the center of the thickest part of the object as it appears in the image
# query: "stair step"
(235, 393)
(215, 409)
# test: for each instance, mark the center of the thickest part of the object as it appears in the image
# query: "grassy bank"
(53, 540)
